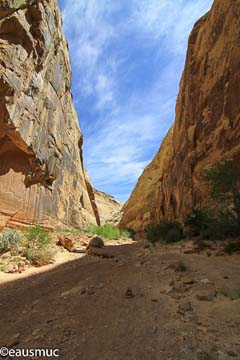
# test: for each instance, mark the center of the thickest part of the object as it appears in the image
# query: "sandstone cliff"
(207, 124)
(109, 208)
(42, 179)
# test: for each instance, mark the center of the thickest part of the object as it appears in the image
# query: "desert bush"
(224, 181)
(9, 239)
(223, 218)
(232, 247)
(39, 256)
(165, 232)
(37, 237)
(38, 249)
(128, 233)
(2, 267)
(198, 221)
(107, 231)
(216, 224)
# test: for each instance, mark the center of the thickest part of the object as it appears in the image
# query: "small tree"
(224, 180)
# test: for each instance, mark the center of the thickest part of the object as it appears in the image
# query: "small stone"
(35, 302)
(66, 242)
(188, 281)
(205, 281)
(36, 332)
(191, 251)
(78, 251)
(202, 329)
(129, 293)
(65, 294)
(91, 291)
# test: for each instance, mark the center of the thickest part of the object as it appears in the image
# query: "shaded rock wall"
(207, 124)
(42, 179)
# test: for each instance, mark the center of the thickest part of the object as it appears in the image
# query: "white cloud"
(89, 33)
(167, 21)
(127, 129)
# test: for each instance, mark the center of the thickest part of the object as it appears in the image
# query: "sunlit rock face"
(42, 179)
(109, 208)
(207, 124)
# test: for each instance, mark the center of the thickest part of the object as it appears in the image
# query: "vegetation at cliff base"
(221, 218)
(9, 239)
(110, 232)
(38, 249)
(164, 232)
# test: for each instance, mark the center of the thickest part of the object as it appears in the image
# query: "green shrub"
(107, 231)
(38, 250)
(212, 225)
(232, 247)
(198, 221)
(37, 237)
(165, 232)
(129, 233)
(224, 180)
(40, 256)
(9, 239)
(2, 267)
(72, 231)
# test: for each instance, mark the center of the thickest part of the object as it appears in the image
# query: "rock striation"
(109, 208)
(42, 179)
(206, 127)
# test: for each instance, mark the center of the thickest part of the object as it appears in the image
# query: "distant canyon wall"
(206, 127)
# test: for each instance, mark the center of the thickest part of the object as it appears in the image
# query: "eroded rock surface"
(42, 179)
(109, 208)
(207, 124)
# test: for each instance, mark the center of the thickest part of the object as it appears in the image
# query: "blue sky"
(127, 58)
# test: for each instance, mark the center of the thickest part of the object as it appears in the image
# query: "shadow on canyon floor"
(135, 305)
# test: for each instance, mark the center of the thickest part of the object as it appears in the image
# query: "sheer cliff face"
(42, 179)
(207, 124)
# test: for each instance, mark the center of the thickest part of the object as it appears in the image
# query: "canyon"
(61, 286)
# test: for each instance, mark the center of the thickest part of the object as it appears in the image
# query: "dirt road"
(136, 305)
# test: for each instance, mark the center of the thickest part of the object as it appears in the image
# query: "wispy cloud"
(127, 59)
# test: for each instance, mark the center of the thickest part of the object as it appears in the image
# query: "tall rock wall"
(207, 124)
(42, 179)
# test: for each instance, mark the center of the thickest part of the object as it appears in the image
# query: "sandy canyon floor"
(138, 302)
